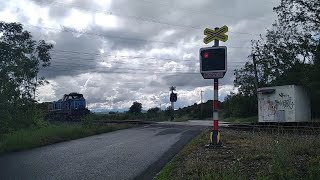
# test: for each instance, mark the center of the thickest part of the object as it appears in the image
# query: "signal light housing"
(213, 59)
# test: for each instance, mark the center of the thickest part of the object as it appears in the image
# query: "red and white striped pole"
(215, 106)
(215, 134)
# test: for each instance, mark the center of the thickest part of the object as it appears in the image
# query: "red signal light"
(205, 55)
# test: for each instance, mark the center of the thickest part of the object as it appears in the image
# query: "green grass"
(247, 155)
(182, 118)
(161, 116)
(35, 137)
(241, 120)
(168, 172)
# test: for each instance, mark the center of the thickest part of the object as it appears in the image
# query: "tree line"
(289, 54)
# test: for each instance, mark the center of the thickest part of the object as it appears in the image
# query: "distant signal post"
(173, 99)
(213, 65)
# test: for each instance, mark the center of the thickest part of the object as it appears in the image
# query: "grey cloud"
(66, 60)
(56, 12)
(138, 20)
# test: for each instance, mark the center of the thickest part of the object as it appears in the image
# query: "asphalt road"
(136, 153)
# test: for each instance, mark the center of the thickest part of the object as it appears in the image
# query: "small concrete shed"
(288, 103)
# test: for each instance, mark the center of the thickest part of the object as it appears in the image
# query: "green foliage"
(288, 54)
(20, 61)
(303, 13)
(153, 110)
(135, 108)
(87, 121)
(197, 111)
(21, 58)
(240, 105)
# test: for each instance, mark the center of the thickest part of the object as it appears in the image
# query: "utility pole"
(256, 81)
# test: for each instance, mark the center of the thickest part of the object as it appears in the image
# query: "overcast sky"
(116, 52)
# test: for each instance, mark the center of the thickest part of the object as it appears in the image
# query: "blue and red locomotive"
(71, 107)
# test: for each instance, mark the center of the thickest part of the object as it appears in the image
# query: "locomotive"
(71, 107)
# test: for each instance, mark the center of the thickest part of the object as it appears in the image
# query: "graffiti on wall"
(271, 106)
(267, 108)
(285, 101)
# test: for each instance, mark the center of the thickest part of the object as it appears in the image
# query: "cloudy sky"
(116, 52)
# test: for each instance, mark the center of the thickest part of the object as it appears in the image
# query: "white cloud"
(8, 15)
(47, 93)
(106, 21)
(78, 19)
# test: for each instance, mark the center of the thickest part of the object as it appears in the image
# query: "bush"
(21, 115)
(87, 121)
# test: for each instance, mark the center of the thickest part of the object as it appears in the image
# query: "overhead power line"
(190, 10)
(64, 5)
(65, 61)
(110, 36)
(65, 52)
(56, 72)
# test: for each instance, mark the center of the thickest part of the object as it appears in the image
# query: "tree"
(286, 55)
(239, 105)
(135, 108)
(20, 60)
(153, 110)
(304, 13)
(168, 111)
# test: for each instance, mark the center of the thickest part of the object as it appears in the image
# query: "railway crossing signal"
(217, 34)
(213, 62)
(213, 65)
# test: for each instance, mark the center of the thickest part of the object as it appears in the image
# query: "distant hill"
(194, 111)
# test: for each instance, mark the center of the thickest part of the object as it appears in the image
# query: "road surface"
(136, 153)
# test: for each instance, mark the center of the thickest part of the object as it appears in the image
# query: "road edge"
(158, 165)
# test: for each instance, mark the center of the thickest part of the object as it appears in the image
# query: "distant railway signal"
(173, 99)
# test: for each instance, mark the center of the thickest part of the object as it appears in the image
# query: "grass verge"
(242, 120)
(247, 155)
(168, 172)
(34, 137)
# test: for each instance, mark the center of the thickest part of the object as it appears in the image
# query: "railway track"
(305, 128)
(105, 122)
